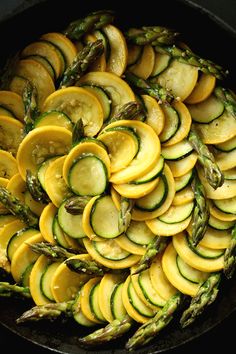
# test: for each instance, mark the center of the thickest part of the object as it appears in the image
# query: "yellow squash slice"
(8, 165)
(163, 229)
(11, 134)
(216, 239)
(77, 102)
(154, 116)
(183, 166)
(144, 66)
(40, 144)
(12, 101)
(46, 222)
(202, 89)
(135, 191)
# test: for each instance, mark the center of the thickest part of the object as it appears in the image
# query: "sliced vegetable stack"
(117, 178)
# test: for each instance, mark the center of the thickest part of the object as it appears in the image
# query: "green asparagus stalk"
(76, 204)
(154, 35)
(212, 171)
(29, 97)
(157, 245)
(153, 89)
(205, 296)
(124, 219)
(93, 21)
(81, 63)
(230, 256)
(112, 331)
(186, 56)
(201, 211)
(78, 132)
(227, 98)
(34, 187)
(151, 328)
(9, 290)
(129, 111)
(85, 267)
(16, 207)
(49, 311)
(51, 251)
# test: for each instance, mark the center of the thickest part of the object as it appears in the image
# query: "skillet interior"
(207, 38)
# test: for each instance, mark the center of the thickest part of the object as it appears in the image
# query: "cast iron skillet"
(207, 36)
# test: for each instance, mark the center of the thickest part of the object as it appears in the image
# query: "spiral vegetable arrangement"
(118, 178)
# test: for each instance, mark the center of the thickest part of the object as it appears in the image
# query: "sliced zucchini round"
(139, 233)
(46, 279)
(176, 214)
(17, 239)
(227, 146)
(153, 174)
(117, 307)
(162, 61)
(144, 66)
(177, 151)
(135, 191)
(70, 224)
(182, 181)
(103, 98)
(163, 229)
(207, 110)
(154, 113)
(218, 224)
(54, 117)
(11, 134)
(203, 88)
(172, 123)
(227, 205)
(190, 273)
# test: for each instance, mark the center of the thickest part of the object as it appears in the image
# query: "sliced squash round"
(154, 116)
(12, 101)
(202, 90)
(144, 66)
(11, 134)
(54, 117)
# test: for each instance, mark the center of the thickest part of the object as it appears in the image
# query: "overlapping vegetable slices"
(120, 147)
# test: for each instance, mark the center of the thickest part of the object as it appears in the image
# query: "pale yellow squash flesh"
(183, 166)
(220, 214)
(85, 300)
(143, 68)
(215, 239)
(202, 89)
(17, 187)
(130, 246)
(226, 160)
(86, 220)
(13, 101)
(184, 196)
(135, 191)
(11, 134)
(158, 227)
(154, 116)
(46, 222)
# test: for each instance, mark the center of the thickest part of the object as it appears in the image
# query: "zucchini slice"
(172, 123)
(46, 222)
(185, 122)
(23, 257)
(58, 234)
(87, 302)
(207, 110)
(199, 257)
(155, 199)
(203, 88)
(176, 214)
(26, 275)
(78, 315)
(219, 130)
(54, 117)
(144, 66)
(55, 185)
(77, 102)
(38, 76)
(103, 98)
(117, 89)
(109, 254)
(171, 270)
(17, 239)
(134, 53)
(117, 307)
(159, 280)
(11, 134)
(183, 181)
(107, 286)
(94, 302)
(41, 60)
(226, 160)
(139, 233)
(217, 213)
(104, 218)
(46, 279)
(88, 176)
(125, 243)
(177, 151)
(122, 144)
(163, 229)
(40, 144)
(70, 224)
(179, 78)
(218, 224)
(227, 146)
(6, 112)
(190, 273)
(227, 205)
(230, 174)
(8, 165)
(186, 195)
(154, 114)
(89, 232)
(35, 284)
(153, 174)
(162, 61)
(145, 291)
(148, 154)
(118, 52)
(12, 101)
(66, 283)
(42, 170)
(134, 305)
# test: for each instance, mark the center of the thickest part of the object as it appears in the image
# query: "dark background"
(219, 337)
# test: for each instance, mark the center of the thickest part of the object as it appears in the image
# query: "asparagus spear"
(54, 252)
(49, 311)
(91, 22)
(75, 205)
(29, 97)
(230, 256)
(112, 331)
(212, 172)
(15, 206)
(129, 110)
(201, 211)
(227, 98)
(152, 89)
(205, 296)
(153, 35)
(8, 290)
(78, 132)
(151, 328)
(81, 63)
(86, 267)
(186, 56)
(34, 187)
(124, 219)
(157, 245)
